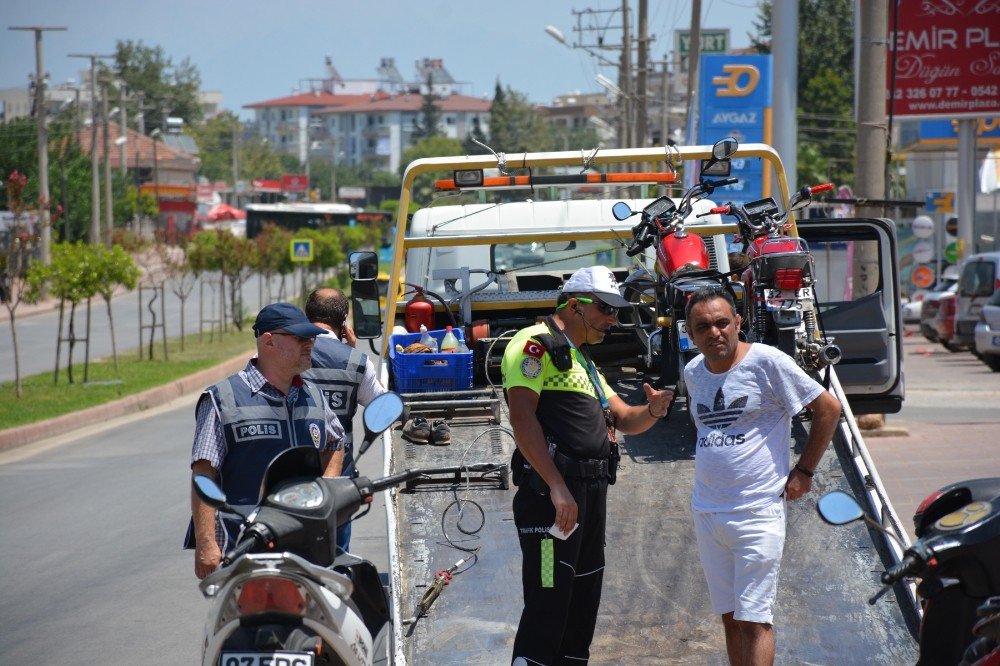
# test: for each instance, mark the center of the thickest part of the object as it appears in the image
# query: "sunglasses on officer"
(601, 305)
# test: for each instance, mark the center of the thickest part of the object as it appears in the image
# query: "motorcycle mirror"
(839, 508)
(380, 413)
(209, 492)
(621, 211)
(724, 148)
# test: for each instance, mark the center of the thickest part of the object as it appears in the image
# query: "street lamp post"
(106, 126)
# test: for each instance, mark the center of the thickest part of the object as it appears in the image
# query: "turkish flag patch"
(532, 348)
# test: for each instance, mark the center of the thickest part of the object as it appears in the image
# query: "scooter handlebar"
(825, 187)
(908, 565)
(243, 547)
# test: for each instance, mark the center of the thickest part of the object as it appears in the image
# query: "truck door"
(858, 297)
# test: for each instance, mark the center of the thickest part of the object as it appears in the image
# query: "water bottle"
(449, 343)
(427, 339)
(461, 348)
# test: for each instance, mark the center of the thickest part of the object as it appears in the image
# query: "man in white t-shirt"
(743, 398)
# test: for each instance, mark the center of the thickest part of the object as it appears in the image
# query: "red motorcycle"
(683, 266)
(780, 281)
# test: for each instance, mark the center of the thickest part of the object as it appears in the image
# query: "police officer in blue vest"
(242, 422)
(345, 375)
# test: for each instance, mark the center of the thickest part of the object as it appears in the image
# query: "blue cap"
(286, 317)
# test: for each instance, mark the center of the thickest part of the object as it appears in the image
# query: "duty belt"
(592, 468)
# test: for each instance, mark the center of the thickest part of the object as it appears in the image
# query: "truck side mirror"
(363, 265)
(364, 295)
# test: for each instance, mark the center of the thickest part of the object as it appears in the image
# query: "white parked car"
(988, 332)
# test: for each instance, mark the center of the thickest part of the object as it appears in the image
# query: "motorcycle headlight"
(307, 495)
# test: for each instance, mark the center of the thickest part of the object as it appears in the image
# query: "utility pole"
(106, 125)
(694, 59)
(872, 130)
(665, 93)
(642, 100)
(122, 132)
(95, 178)
(625, 77)
(236, 161)
(45, 220)
(785, 50)
(140, 126)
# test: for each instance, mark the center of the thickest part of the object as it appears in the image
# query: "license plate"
(792, 299)
(266, 659)
(683, 341)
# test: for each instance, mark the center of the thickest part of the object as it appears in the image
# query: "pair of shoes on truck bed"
(419, 431)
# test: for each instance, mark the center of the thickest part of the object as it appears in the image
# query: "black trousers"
(560, 608)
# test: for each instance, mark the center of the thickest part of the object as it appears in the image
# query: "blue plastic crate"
(427, 373)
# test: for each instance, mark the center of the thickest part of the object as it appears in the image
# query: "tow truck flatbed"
(655, 606)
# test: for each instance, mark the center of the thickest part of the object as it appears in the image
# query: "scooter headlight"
(308, 495)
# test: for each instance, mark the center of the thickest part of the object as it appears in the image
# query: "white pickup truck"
(497, 262)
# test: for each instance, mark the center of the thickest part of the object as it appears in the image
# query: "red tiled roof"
(164, 153)
(413, 102)
(317, 98)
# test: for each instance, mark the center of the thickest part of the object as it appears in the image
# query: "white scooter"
(283, 596)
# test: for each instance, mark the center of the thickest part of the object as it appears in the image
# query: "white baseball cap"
(599, 281)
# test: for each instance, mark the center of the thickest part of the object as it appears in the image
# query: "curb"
(887, 431)
(13, 438)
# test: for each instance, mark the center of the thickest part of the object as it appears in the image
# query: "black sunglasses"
(601, 305)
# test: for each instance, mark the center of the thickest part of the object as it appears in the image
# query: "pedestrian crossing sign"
(301, 249)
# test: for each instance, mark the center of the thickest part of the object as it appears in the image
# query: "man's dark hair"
(707, 294)
(327, 306)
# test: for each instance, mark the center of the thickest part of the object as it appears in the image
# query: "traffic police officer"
(564, 416)
(242, 422)
(345, 375)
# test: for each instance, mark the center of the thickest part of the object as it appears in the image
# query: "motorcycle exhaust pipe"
(830, 354)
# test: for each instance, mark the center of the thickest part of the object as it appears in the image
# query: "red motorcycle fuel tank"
(679, 250)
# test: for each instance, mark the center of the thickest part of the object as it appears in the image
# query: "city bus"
(295, 216)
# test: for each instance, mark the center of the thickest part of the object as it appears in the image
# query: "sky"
(252, 50)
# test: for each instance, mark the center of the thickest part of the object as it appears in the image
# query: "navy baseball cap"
(286, 317)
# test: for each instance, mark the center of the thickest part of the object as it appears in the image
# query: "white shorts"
(741, 554)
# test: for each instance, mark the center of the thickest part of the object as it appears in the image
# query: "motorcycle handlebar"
(908, 565)
(243, 547)
(394, 479)
(825, 187)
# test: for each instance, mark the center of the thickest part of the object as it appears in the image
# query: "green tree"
(214, 138)
(16, 257)
(115, 268)
(825, 80)
(236, 258)
(73, 276)
(428, 125)
(167, 88)
(273, 256)
(470, 147)
(438, 146)
(515, 124)
(178, 272)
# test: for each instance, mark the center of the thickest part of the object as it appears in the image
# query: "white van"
(980, 278)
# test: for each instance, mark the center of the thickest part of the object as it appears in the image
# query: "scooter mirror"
(208, 491)
(725, 147)
(839, 508)
(621, 211)
(380, 413)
